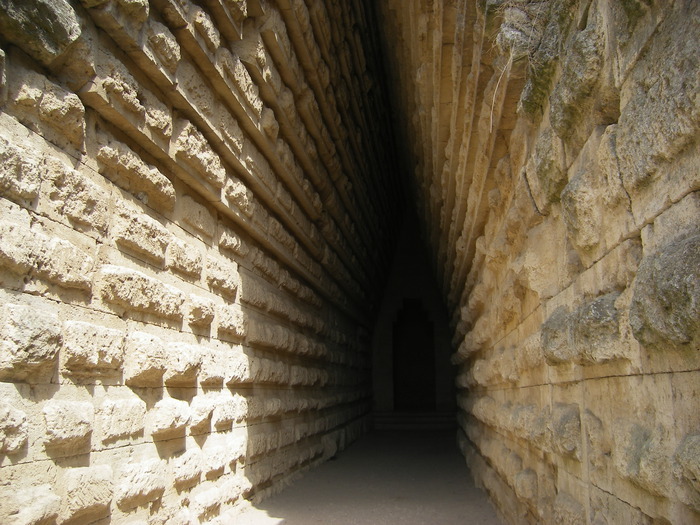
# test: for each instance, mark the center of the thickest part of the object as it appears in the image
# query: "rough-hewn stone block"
(13, 429)
(140, 483)
(121, 418)
(88, 493)
(68, 423)
(144, 360)
(90, 348)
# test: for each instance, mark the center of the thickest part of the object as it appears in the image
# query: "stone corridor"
(231, 231)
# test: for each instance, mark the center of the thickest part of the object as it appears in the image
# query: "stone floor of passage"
(386, 478)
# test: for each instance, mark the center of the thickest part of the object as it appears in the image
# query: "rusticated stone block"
(688, 459)
(78, 198)
(47, 108)
(187, 468)
(168, 418)
(222, 275)
(140, 483)
(198, 217)
(595, 332)
(229, 411)
(240, 196)
(126, 169)
(30, 505)
(183, 258)
(20, 170)
(214, 366)
(230, 241)
(565, 428)
(546, 170)
(164, 45)
(68, 423)
(232, 321)
(134, 290)
(555, 337)
(88, 493)
(665, 309)
(200, 413)
(144, 360)
(121, 418)
(190, 146)
(13, 429)
(640, 455)
(182, 364)
(90, 349)
(201, 312)
(43, 28)
(142, 234)
(568, 511)
(29, 342)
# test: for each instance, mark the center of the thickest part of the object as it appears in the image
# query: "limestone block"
(182, 364)
(222, 275)
(236, 73)
(30, 505)
(545, 171)
(206, 30)
(29, 342)
(90, 349)
(598, 442)
(232, 321)
(88, 493)
(216, 460)
(164, 45)
(77, 197)
(200, 413)
(134, 290)
(121, 418)
(141, 233)
(43, 28)
(688, 460)
(20, 170)
(140, 483)
(213, 367)
(159, 118)
(581, 211)
(120, 164)
(240, 196)
(206, 501)
(201, 311)
(232, 242)
(191, 147)
(13, 429)
(184, 258)
(568, 511)
(187, 468)
(68, 423)
(47, 108)
(580, 71)
(168, 418)
(118, 86)
(144, 360)
(640, 454)
(555, 337)
(229, 411)
(595, 331)
(198, 216)
(665, 309)
(565, 428)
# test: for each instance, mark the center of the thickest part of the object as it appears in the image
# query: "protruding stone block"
(140, 483)
(13, 429)
(29, 342)
(144, 360)
(191, 147)
(232, 321)
(568, 511)
(121, 418)
(182, 364)
(198, 217)
(142, 234)
(566, 430)
(20, 171)
(223, 276)
(201, 311)
(187, 468)
(92, 349)
(168, 418)
(30, 505)
(68, 423)
(88, 493)
(134, 290)
(183, 258)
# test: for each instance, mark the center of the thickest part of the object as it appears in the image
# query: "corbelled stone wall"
(194, 223)
(199, 202)
(554, 148)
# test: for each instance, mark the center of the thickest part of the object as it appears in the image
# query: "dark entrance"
(414, 359)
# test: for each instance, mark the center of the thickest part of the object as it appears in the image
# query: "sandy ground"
(386, 478)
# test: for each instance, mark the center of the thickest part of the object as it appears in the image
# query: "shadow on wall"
(411, 350)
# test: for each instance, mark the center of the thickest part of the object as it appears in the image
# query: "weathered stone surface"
(141, 234)
(68, 423)
(140, 483)
(43, 28)
(33, 505)
(168, 418)
(20, 171)
(89, 348)
(88, 493)
(144, 359)
(665, 309)
(29, 344)
(121, 418)
(201, 311)
(191, 146)
(13, 429)
(134, 290)
(182, 365)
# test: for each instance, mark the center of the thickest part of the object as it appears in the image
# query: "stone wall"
(193, 227)
(555, 147)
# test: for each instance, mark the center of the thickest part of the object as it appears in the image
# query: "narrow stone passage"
(387, 477)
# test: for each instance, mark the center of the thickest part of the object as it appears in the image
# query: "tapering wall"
(555, 151)
(193, 224)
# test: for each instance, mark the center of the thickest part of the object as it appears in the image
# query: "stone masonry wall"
(557, 172)
(189, 194)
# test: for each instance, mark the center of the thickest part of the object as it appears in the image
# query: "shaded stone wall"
(193, 225)
(555, 152)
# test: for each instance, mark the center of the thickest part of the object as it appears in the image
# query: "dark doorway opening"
(414, 358)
